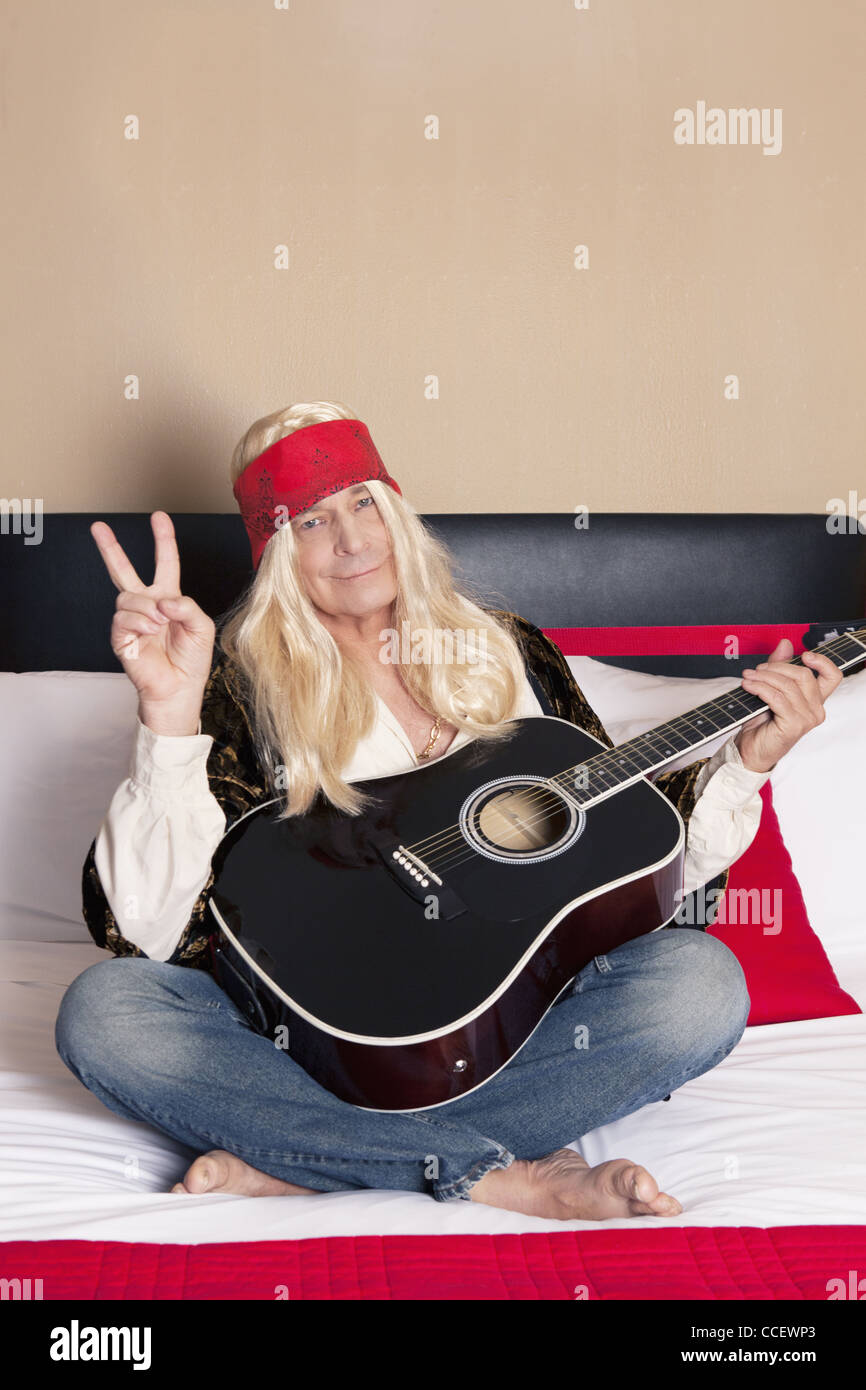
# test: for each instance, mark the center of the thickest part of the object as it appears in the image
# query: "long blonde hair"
(310, 702)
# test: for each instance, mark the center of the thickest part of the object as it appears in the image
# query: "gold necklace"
(434, 734)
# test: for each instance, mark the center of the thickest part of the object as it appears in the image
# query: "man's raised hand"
(162, 639)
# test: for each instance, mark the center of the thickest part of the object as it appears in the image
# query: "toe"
(662, 1205)
(643, 1193)
(665, 1205)
(203, 1178)
(638, 1184)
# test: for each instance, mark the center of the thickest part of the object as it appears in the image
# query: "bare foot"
(563, 1187)
(219, 1171)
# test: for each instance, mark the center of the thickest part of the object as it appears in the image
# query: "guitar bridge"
(415, 867)
(417, 878)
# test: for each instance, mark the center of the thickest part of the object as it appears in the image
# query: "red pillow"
(599, 642)
(786, 967)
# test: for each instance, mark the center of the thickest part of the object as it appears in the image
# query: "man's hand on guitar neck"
(795, 701)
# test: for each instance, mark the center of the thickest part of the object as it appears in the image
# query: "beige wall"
(450, 259)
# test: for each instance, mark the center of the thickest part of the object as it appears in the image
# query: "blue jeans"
(165, 1045)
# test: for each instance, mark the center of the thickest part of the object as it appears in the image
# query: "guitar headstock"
(823, 634)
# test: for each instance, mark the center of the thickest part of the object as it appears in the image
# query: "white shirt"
(154, 846)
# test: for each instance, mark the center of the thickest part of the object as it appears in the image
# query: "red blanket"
(721, 1262)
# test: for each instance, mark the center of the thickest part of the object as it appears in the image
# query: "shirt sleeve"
(147, 876)
(154, 847)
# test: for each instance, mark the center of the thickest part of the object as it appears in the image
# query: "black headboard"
(622, 570)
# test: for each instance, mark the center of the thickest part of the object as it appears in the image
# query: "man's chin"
(363, 595)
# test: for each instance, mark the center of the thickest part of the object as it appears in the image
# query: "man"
(296, 696)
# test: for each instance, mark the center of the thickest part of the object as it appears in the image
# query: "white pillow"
(817, 787)
(818, 797)
(629, 703)
(66, 739)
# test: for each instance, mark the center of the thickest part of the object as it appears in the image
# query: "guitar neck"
(617, 767)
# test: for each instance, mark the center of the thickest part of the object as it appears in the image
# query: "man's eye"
(312, 521)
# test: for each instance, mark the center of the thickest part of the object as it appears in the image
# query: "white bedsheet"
(775, 1135)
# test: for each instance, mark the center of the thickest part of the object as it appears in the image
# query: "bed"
(767, 1152)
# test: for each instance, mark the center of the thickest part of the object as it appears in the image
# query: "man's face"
(344, 554)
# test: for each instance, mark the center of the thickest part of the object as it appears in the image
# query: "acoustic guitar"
(404, 956)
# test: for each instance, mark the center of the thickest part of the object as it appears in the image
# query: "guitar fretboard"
(614, 768)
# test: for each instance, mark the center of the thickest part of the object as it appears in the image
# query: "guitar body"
(399, 987)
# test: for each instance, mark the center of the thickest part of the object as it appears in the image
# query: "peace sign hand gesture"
(162, 639)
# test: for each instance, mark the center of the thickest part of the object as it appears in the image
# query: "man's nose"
(349, 537)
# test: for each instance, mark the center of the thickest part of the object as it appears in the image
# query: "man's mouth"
(361, 574)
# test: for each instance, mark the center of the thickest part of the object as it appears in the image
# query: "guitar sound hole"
(519, 820)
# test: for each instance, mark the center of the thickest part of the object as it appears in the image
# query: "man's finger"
(186, 611)
(120, 568)
(814, 691)
(771, 686)
(828, 673)
(166, 574)
(780, 652)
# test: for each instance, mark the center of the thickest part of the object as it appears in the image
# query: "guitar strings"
(545, 800)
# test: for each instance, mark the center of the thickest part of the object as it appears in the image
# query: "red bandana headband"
(301, 469)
